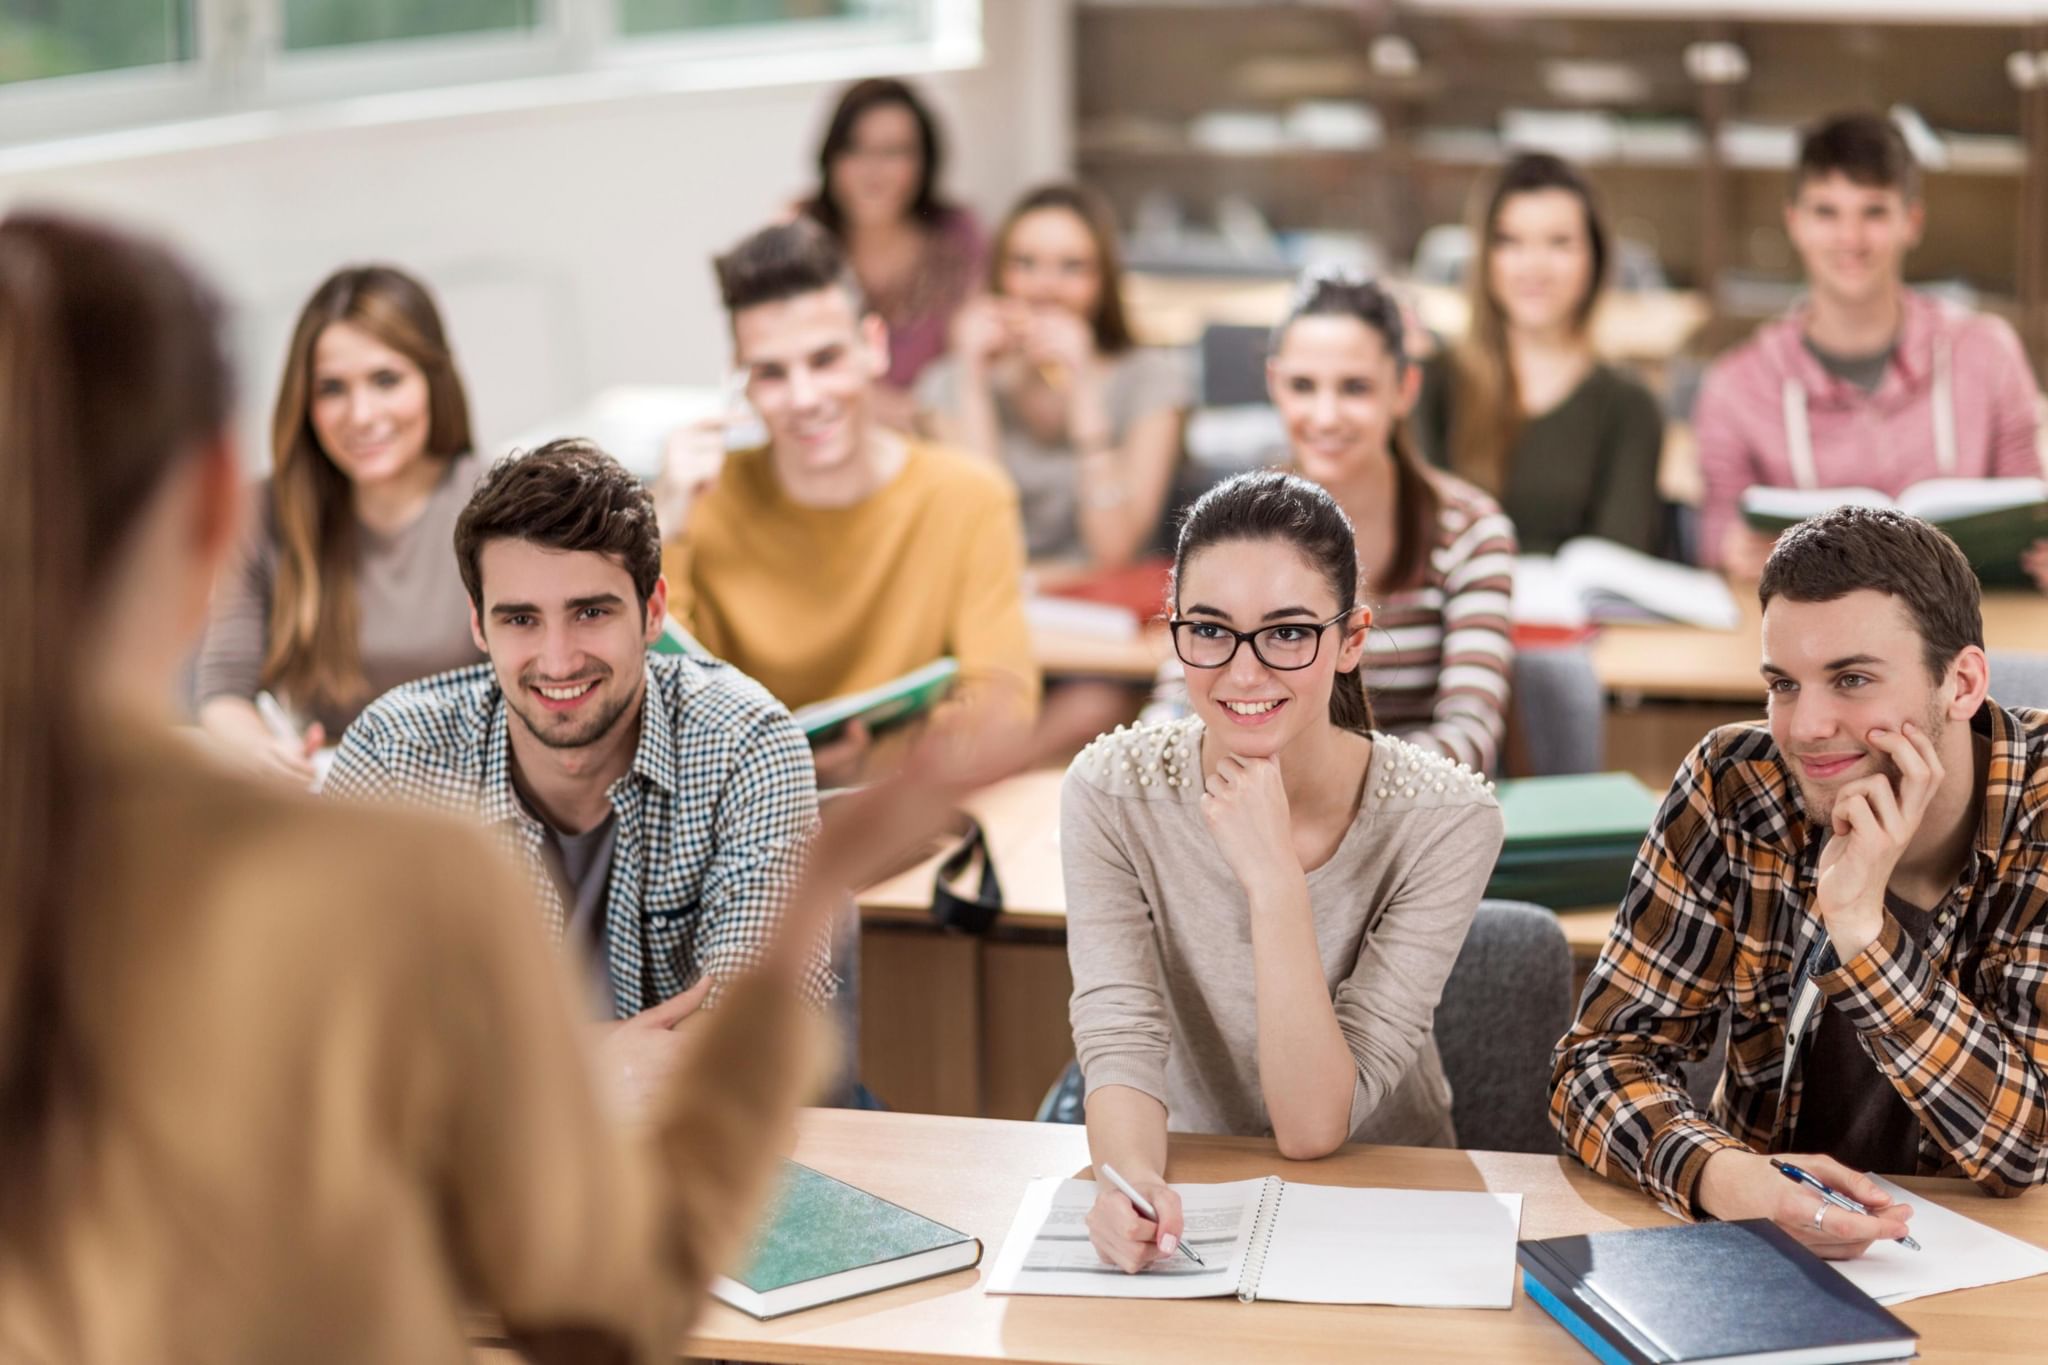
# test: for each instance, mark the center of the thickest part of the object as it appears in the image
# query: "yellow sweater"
(819, 602)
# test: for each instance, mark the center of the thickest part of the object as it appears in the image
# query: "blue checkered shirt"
(714, 817)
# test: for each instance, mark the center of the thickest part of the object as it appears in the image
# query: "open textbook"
(1269, 1239)
(1591, 580)
(1992, 520)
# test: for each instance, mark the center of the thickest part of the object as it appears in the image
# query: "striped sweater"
(1438, 655)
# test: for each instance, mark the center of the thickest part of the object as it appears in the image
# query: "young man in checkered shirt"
(1861, 885)
(662, 805)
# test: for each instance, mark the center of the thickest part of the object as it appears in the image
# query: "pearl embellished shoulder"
(1156, 760)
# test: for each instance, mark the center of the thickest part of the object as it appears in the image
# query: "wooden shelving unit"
(1694, 168)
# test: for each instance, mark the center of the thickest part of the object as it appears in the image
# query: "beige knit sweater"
(1159, 934)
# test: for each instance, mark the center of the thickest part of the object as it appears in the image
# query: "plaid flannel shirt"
(1716, 917)
(714, 816)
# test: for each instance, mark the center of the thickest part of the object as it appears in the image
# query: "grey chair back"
(1507, 1002)
(2019, 678)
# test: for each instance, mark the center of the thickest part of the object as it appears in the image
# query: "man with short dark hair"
(1866, 383)
(662, 804)
(1860, 884)
(842, 554)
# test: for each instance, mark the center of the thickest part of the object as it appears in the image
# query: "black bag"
(969, 914)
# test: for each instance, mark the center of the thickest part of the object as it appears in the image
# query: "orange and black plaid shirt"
(1716, 919)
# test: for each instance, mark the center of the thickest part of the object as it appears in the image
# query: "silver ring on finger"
(1818, 1211)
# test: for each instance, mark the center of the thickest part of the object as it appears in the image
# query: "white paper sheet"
(1956, 1252)
(1048, 1252)
(1416, 1248)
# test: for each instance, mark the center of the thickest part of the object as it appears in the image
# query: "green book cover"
(880, 708)
(1612, 809)
(819, 1228)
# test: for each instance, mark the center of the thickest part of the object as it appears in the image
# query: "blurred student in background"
(1046, 380)
(1266, 895)
(1435, 554)
(1866, 383)
(277, 1081)
(344, 587)
(917, 257)
(1522, 407)
(842, 554)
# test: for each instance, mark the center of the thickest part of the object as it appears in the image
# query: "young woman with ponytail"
(346, 585)
(1264, 896)
(281, 1081)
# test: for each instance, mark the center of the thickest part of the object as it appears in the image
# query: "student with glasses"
(1265, 895)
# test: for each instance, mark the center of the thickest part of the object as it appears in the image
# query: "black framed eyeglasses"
(1284, 648)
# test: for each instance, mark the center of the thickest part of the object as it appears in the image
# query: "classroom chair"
(2019, 678)
(1506, 1003)
(1559, 712)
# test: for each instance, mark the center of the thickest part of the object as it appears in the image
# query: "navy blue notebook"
(1733, 1293)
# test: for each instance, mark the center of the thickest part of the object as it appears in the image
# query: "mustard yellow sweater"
(819, 602)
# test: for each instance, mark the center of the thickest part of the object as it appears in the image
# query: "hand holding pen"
(1133, 1243)
(1831, 1197)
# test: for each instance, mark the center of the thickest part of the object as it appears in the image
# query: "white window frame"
(575, 50)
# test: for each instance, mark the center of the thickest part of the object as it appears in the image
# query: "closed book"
(1604, 809)
(879, 708)
(1741, 1293)
(826, 1240)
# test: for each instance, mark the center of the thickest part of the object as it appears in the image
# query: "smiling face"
(875, 179)
(1339, 394)
(370, 406)
(810, 363)
(1252, 710)
(1852, 239)
(1050, 261)
(1539, 265)
(566, 637)
(1835, 671)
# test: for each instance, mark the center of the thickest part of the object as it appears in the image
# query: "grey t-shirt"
(1866, 372)
(1140, 382)
(582, 864)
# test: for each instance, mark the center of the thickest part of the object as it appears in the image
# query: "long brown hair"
(874, 93)
(1486, 408)
(1112, 330)
(1330, 293)
(112, 367)
(1273, 506)
(313, 652)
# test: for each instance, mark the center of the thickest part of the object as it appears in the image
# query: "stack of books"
(1570, 840)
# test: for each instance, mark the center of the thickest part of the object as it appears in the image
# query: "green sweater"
(1587, 467)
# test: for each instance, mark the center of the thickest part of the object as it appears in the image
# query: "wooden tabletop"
(1021, 817)
(1685, 663)
(1072, 654)
(971, 1174)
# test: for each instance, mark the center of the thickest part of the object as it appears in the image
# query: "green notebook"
(880, 708)
(825, 1241)
(1587, 808)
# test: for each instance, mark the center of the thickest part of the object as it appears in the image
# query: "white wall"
(570, 244)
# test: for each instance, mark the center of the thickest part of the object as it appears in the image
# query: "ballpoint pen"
(1832, 1196)
(1144, 1209)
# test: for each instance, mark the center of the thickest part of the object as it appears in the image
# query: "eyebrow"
(602, 599)
(1831, 666)
(1203, 609)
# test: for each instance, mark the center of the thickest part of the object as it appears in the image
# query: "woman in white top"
(1265, 897)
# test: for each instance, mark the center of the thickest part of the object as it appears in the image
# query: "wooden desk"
(1069, 654)
(971, 1174)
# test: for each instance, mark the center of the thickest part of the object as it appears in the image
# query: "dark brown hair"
(1272, 506)
(112, 370)
(1112, 330)
(1849, 549)
(783, 262)
(565, 495)
(1865, 147)
(313, 653)
(1331, 293)
(860, 97)
(1486, 408)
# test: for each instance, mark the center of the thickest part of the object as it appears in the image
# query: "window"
(44, 38)
(669, 16)
(338, 23)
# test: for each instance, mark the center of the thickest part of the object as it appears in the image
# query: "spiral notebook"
(1271, 1239)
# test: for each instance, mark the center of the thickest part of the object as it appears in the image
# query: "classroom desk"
(971, 1174)
(1074, 654)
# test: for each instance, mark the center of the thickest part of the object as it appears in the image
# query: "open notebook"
(1268, 1239)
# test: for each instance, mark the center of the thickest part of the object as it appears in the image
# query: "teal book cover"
(1614, 809)
(819, 1227)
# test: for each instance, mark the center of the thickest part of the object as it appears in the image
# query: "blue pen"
(1835, 1197)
